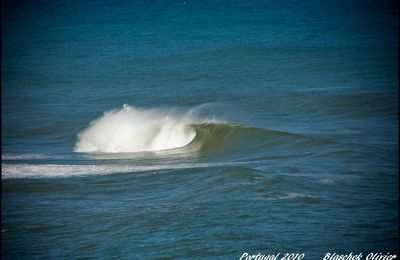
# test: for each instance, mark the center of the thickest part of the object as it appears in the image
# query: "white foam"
(16, 171)
(136, 130)
(20, 171)
(289, 196)
(22, 156)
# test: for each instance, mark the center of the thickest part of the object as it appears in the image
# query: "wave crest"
(136, 130)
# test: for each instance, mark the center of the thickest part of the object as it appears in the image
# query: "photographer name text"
(328, 256)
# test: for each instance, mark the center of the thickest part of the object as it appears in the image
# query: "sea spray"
(132, 129)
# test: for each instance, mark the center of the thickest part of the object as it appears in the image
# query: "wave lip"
(135, 130)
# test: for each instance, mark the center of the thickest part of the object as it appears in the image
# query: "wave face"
(136, 130)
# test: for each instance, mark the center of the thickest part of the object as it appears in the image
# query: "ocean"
(199, 129)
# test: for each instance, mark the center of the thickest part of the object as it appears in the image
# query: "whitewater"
(131, 129)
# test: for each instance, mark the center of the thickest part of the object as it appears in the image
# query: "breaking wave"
(155, 139)
(132, 129)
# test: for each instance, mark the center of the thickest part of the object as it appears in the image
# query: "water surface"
(262, 126)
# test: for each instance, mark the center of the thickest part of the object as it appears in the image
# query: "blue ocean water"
(199, 129)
